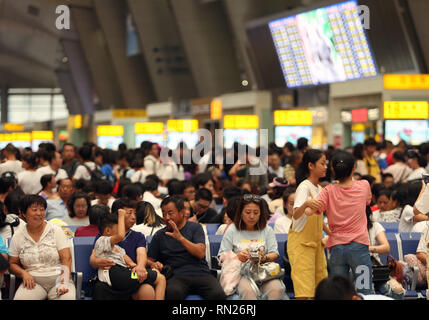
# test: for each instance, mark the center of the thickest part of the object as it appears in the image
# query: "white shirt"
(282, 225)
(373, 232)
(139, 176)
(305, 191)
(6, 231)
(424, 238)
(387, 216)
(151, 164)
(361, 167)
(29, 181)
(146, 230)
(279, 172)
(109, 202)
(416, 174)
(154, 201)
(59, 175)
(423, 203)
(406, 223)
(82, 172)
(41, 258)
(11, 165)
(400, 171)
(76, 222)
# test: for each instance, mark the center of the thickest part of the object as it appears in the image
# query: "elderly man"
(181, 245)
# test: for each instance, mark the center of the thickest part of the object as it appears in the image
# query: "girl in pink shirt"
(345, 203)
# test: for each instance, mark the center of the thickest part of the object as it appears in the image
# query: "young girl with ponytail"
(345, 204)
(304, 246)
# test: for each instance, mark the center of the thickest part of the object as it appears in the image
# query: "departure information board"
(323, 46)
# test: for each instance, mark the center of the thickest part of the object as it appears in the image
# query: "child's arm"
(129, 261)
(116, 238)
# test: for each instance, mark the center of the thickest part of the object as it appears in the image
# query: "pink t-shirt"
(346, 211)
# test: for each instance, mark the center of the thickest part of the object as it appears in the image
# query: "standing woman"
(304, 246)
(345, 204)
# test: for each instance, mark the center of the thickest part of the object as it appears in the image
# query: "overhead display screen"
(323, 46)
(413, 132)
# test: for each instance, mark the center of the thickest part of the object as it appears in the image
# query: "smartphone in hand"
(425, 178)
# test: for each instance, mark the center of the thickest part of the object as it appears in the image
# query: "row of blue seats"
(212, 227)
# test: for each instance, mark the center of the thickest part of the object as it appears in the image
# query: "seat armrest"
(78, 279)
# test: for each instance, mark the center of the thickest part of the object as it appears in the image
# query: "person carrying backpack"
(88, 170)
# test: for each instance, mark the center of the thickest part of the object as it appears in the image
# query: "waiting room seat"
(390, 226)
(82, 252)
(212, 228)
(393, 242)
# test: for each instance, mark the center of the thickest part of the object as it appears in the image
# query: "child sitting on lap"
(121, 276)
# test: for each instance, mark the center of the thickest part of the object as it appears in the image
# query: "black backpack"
(96, 174)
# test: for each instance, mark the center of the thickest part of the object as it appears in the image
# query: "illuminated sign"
(13, 127)
(241, 122)
(293, 118)
(129, 113)
(110, 131)
(42, 135)
(358, 127)
(77, 121)
(216, 110)
(406, 81)
(149, 128)
(406, 110)
(359, 115)
(188, 125)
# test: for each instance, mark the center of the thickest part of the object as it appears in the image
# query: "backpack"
(96, 174)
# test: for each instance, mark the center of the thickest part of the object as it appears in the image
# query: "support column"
(4, 104)
(132, 74)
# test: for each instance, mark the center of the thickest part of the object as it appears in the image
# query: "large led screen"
(283, 134)
(323, 46)
(106, 142)
(243, 136)
(413, 132)
(155, 138)
(174, 138)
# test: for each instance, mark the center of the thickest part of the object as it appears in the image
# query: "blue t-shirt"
(108, 172)
(169, 251)
(3, 248)
(133, 240)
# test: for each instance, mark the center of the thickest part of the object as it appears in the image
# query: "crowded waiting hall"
(214, 150)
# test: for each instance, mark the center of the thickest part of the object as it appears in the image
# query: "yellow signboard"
(13, 127)
(406, 81)
(77, 121)
(149, 128)
(241, 122)
(42, 135)
(293, 118)
(21, 136)
(110, 131)
(216, 110)
(188, 125)
(358, 127)
(406, 110)
(129, 113)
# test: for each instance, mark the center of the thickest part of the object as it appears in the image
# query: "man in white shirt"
(11, 163)
(150, 190)
(83, 171)
(399, 170)
(54, 166)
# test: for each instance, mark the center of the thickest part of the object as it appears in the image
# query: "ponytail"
(302, 172)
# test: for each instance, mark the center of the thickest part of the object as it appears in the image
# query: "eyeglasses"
(250, 197)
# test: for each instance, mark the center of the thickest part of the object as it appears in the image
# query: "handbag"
(396, 269)
(263, 272)
(380, 273)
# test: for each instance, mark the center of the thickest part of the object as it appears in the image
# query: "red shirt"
(346, 212)
(87, 231)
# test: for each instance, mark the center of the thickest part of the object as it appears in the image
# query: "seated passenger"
(181, 246)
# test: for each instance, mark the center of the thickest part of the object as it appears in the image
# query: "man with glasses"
(201, 206)
(57, 208)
